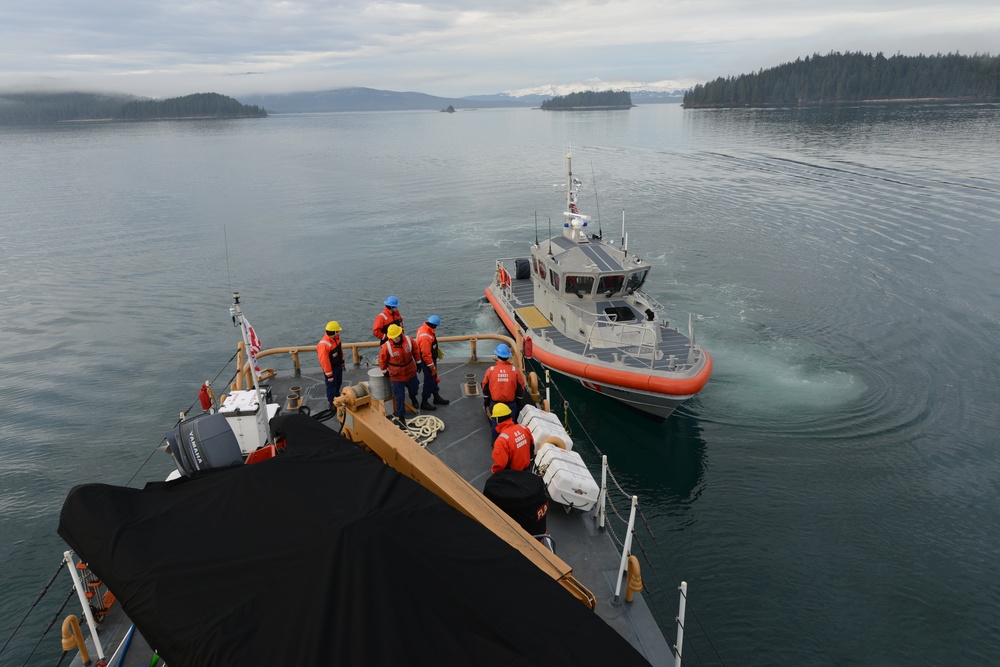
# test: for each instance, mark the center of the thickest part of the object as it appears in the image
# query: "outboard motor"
(202, 443)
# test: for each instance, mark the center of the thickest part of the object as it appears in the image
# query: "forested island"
(49, 107)
(851, 78)
(590, 100)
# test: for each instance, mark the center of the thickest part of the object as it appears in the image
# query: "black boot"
(440, 401)
(426, 405)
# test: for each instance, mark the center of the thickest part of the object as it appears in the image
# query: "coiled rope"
(424, 428)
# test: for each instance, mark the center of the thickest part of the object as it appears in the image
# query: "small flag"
(255, 345)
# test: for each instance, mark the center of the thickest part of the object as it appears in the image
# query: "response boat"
(577, 306)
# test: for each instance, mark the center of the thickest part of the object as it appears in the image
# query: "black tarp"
(324, 556)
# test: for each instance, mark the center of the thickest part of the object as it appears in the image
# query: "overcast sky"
(454, 48)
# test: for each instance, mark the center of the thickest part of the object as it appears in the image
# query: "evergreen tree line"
(47, 107)
(856, 77)
(590, 98)
(199, 105)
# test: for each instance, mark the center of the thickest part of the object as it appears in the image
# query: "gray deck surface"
(464, 445)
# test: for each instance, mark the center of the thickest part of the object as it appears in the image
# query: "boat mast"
(263, 433)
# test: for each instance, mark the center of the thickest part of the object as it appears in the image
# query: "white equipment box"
(240, 409)
(567, 479)
(542, 425)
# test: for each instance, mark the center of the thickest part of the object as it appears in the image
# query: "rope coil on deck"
(424, 428)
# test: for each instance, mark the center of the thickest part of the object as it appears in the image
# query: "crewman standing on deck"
(502, 383)
(389, 315)
(514, 447)
(427, 346)
(397, 359)
(330, 352)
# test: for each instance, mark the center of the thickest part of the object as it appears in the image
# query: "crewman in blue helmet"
(502, 383)
(390, 315)
(429, 353)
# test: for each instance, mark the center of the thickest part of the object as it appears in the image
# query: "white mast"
(263, 432)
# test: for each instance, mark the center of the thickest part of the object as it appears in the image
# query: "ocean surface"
(832, 497)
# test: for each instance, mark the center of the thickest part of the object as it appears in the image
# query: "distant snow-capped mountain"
(641, 91)
(667, 87)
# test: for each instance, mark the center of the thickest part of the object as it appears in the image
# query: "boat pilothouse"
(578, 302)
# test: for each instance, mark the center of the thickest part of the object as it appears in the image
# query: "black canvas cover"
(324, 556)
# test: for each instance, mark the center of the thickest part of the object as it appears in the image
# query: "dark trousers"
(431, 387)
(399, 390)
(334, 384)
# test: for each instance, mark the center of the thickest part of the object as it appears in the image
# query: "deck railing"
(244, 379)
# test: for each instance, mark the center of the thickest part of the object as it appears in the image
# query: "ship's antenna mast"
(536, 228)
(225, 238)
(624, 235)
(550, 236)
(593, 176)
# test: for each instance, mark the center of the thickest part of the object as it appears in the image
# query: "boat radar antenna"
(597, 201)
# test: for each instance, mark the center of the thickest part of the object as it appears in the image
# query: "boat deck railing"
(244, 367)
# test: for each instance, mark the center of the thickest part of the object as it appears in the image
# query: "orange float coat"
(427, 347)
(388, 316)
(502, 383)
(513, 447)
(398, 359)
(330, 353)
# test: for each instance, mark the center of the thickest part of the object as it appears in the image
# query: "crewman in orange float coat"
(514, 448)
(502, 383)
(429, 353)
(389, 315)
(397, 360)
(330, 352)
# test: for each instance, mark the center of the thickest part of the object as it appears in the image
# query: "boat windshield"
(554, 279)
(608, 285)
(579, 285)
(635, 281)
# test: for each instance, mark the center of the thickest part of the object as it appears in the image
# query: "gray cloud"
(454, 47)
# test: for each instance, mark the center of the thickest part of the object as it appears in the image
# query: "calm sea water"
(832, 495)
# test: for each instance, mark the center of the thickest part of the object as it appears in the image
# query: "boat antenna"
(593, 177)
(536, 228)
(624, 237)
(550, 236)
(225, 238)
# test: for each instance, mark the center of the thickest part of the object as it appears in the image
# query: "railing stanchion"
(84, 602)
(602, 509)
(681, 608)
(626, 548)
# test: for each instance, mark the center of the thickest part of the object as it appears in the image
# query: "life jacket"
(513, 448)
(330, 353)
(398, 359)
(502, 383)
(427, 345)
(380, 326)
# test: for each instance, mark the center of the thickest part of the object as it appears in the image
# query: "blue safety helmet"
(392, 302)
(502, 351)
(433, 320)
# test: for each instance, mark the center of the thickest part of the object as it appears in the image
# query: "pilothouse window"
(579, 285)
(554, 279)
(635, 281)
(609, 285)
